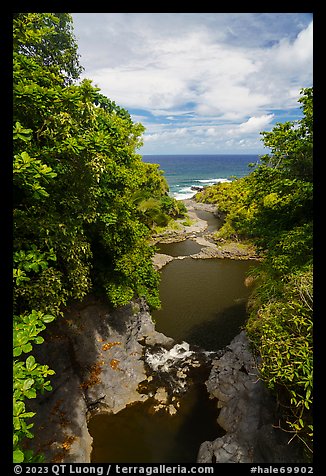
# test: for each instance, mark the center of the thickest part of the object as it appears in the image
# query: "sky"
(200, 83)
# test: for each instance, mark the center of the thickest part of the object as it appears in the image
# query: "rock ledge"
(248, 412)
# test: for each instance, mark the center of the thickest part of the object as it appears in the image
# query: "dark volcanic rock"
(248, 413)
(97, 355)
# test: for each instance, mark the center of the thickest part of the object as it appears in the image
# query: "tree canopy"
(80, 222)
(272, 206)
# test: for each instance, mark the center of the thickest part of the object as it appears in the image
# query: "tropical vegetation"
(84, 201)
(85, 205)
(272, 207)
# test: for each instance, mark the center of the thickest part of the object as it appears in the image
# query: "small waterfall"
(179, 367)
(163, 360)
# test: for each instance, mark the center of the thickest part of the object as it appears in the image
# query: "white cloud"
(285, 68)
(168, 134)
(186, 69)
(206, 73)
(255, 124)
(142, 88)
(296, 55)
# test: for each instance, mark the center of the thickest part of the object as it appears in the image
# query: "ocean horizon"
(184, 171)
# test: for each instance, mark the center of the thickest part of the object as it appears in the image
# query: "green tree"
(46, 39)
(273, 207)
(291, 143)
(76, 172)
(280, 323)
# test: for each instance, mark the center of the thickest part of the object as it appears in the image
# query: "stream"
(203, 309)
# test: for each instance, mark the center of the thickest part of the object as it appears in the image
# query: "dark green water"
(203, 301)
(182, 248)
(137, 435)
(213, 222)
(204, 304)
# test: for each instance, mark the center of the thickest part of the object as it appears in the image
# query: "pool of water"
(181, 248)
(137, 434)
(203, 304)
(203, 301)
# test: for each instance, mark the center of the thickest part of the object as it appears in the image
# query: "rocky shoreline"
(248, 412)
(105, 360)
(182, 230)
(98, 357)
(196, 231)
(108, 359)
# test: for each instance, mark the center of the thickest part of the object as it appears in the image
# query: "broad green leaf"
(30, 363)
(27, 348)
(30, 393)
(47, 318)
(18, 456)
(19, 407)
(27, 384)
(28, 415)
(17, 351)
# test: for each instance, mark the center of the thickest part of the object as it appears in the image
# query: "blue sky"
(200, 83)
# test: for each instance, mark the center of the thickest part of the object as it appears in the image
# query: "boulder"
(97, 356)
(248, 413)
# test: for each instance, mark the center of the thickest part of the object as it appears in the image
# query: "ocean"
(185, 171)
